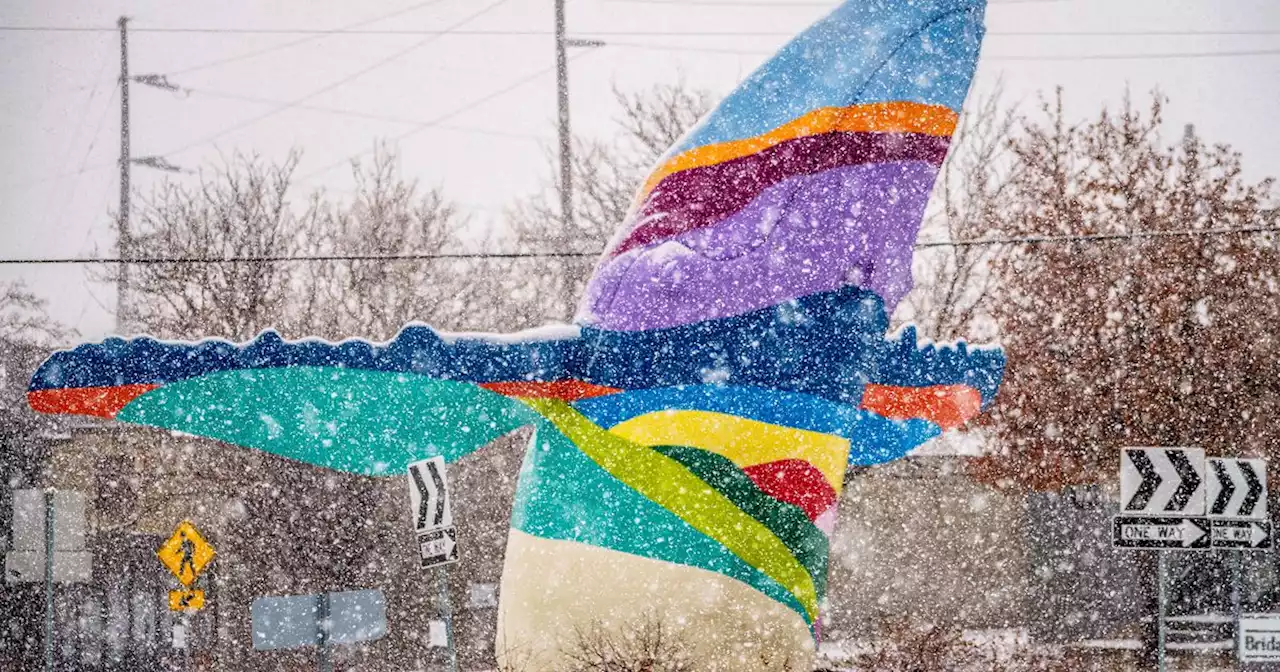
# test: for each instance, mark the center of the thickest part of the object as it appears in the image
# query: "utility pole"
(566, 142)
(563, 43)
(124, 242)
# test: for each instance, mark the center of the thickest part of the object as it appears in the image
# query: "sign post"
(324, 621)
(1176, 499)
(1163, 571)
(436, 535)
(186, 554)
(48, 578)
(1237, 501)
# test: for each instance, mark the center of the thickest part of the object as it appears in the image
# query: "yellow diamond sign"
(186, 553)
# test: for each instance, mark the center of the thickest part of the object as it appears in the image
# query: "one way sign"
(432, 514)
(1237, 489)
(1162, 481)
(1245, 534)
(1190, 534)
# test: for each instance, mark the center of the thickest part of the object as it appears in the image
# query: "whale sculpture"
(730, 360)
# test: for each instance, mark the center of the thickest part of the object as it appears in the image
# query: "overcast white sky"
(490, 99)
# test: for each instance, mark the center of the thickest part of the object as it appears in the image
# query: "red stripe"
(794, 482)
(947, 406)
(702, 197)
(101, 402)
(564, 390)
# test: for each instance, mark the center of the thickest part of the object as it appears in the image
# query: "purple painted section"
(701, 197)
(855, 225)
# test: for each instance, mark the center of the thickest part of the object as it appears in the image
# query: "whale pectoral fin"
(363, 422)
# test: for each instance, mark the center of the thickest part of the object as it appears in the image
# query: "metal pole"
(1235, 607)
(1163, 607)
(125, 241)
(326, 663)
(566, 148)
(48, 579)
(566, 143)
(446, 609)
(191, 641)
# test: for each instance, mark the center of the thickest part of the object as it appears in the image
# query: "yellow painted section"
(745, 442)
(553, 589)
(186, 600)
(186, 553)
(676, 489)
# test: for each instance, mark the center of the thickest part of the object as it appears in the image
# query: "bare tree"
(243, 210)
(903, 645)
(23, 318)
(240, 209)
(387, 216)
(954, 282)
(646, 644)
(1162, 335)
(606, 177)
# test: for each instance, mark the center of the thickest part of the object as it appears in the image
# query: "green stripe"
(673, 486)
(565, 495)
(362, 422)
(787, 521)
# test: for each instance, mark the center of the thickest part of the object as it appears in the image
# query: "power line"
(992, 57)
(419, 126)
(1102, 237)
(444, 117)
(333, 85)
(1126, 57)
(789, 5)
(313, 34)
(84, 161)
(366, 115)
(1022, 240)
(311, 37)
(301, 258)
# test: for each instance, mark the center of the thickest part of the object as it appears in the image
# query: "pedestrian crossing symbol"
(186, 600)
(186, 553)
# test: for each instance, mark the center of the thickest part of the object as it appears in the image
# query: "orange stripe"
(564, 390)
(947, 406)
(101, 402)
(894, 117)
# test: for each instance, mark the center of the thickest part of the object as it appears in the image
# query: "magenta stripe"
(700, 197)
(848, 226)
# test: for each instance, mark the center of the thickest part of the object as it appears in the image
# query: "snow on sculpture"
(729, 361)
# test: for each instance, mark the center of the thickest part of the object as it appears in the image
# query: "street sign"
(1237, 488)
(438, 547)
(68, 521)
(1242, 534)
(1258, 638)
(186, 600)
(1162, 481)
(186, 553)
(295, 621)
(429, 495)
(1188, 534)
(68, 566)
(25, 560)
(432, 513)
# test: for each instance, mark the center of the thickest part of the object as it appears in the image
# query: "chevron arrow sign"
(1162, 481)
(1237, 489)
